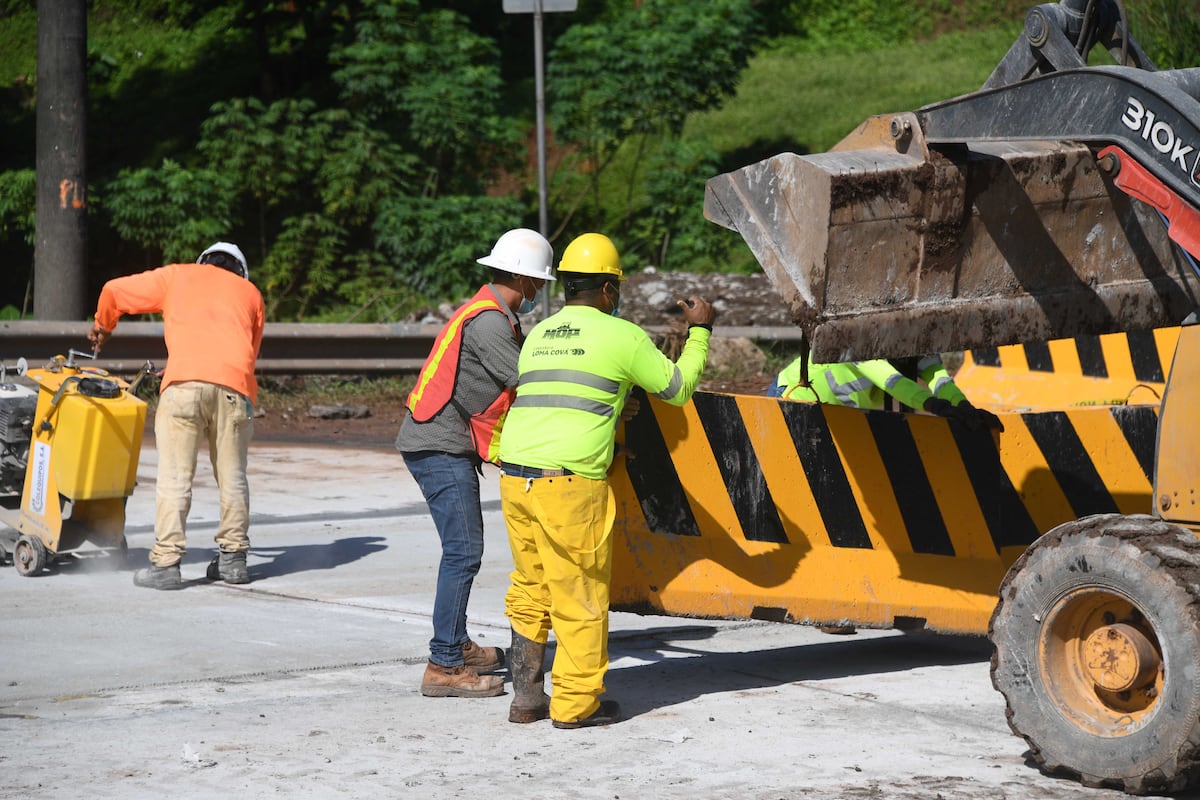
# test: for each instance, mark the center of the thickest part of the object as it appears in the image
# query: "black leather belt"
(518, 471)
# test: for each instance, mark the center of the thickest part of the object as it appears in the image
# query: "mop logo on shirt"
(564, 331)
(557, 344)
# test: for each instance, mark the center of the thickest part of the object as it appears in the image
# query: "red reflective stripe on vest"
(435, 384)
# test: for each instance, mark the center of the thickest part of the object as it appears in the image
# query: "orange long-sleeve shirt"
(212, 321)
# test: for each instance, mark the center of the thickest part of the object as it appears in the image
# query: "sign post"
(537, 8)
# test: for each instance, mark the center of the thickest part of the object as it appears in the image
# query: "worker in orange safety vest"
(452, 427)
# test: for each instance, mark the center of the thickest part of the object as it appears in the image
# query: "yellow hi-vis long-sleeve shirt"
(862, 384)
(575, 371)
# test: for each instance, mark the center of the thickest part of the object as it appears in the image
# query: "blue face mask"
(616, 309)
(527, 305)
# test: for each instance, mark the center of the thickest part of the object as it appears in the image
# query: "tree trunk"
(60, 250)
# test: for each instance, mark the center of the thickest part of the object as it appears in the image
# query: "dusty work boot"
(229, 567)
(608, 713)
(482, 659)
(460, 681)
(530, 701)
(153, 577)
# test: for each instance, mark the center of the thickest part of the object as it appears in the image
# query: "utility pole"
(538, 8)
(60, 249)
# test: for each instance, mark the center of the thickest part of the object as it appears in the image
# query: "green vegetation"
(365, 152)
(816, 98)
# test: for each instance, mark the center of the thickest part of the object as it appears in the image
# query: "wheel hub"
(1100, 660)
(1119, 658)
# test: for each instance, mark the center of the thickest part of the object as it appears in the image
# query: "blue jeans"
(451, 488)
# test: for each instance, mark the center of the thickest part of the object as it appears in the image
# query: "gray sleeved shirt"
(487, 364)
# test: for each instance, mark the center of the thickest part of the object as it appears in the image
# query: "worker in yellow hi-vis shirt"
(864, 384)
(574, 375)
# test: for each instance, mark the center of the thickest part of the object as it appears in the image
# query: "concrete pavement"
(303, 684)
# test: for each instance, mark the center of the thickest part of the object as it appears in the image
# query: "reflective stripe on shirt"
(673, 387)
(572, 376)
(578, 377)
(844, 392)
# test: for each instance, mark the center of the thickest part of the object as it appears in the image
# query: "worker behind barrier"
(576, 371)
(866, 384)
(213, 326)
(453, 424)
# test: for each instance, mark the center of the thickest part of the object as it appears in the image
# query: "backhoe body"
(1052, 217)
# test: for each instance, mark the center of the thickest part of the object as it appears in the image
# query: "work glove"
(976, 418)
(940, 407)
(972, 418)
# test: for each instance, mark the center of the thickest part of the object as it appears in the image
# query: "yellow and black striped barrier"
(754, 507)
(1114, 368)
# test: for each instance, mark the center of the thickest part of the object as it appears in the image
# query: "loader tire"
(1097, 652)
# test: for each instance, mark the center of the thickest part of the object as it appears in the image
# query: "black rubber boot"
(530, 701)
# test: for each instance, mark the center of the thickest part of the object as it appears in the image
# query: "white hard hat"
(231, 249)
(522, 252)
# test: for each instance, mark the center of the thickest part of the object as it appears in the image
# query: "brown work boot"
(530, 701)
(608, 713)
(460, 681)
(482, 659)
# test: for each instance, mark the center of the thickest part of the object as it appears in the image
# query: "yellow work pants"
(560, 530)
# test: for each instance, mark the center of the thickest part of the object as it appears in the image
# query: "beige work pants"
(190, 413)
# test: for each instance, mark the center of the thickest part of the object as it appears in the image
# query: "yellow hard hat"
(592, 253)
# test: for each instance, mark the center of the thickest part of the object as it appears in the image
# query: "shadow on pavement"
(673, 673)
(308, 557)
(281, 560)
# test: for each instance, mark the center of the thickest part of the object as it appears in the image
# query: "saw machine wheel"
(30, 556)
(1097, 652)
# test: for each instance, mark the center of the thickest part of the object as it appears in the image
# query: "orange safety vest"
(435, 385)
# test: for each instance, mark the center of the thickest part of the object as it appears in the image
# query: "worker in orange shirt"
(213, 326)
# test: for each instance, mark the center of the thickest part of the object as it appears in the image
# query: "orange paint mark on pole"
(70, 189)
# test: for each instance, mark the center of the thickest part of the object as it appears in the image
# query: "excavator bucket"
(983, 221)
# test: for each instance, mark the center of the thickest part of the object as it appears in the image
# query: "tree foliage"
(630, 81)
(368, 197)
(170, 208)
(18, 196)
(365, 152)
(1169, 31)
(673, 228)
